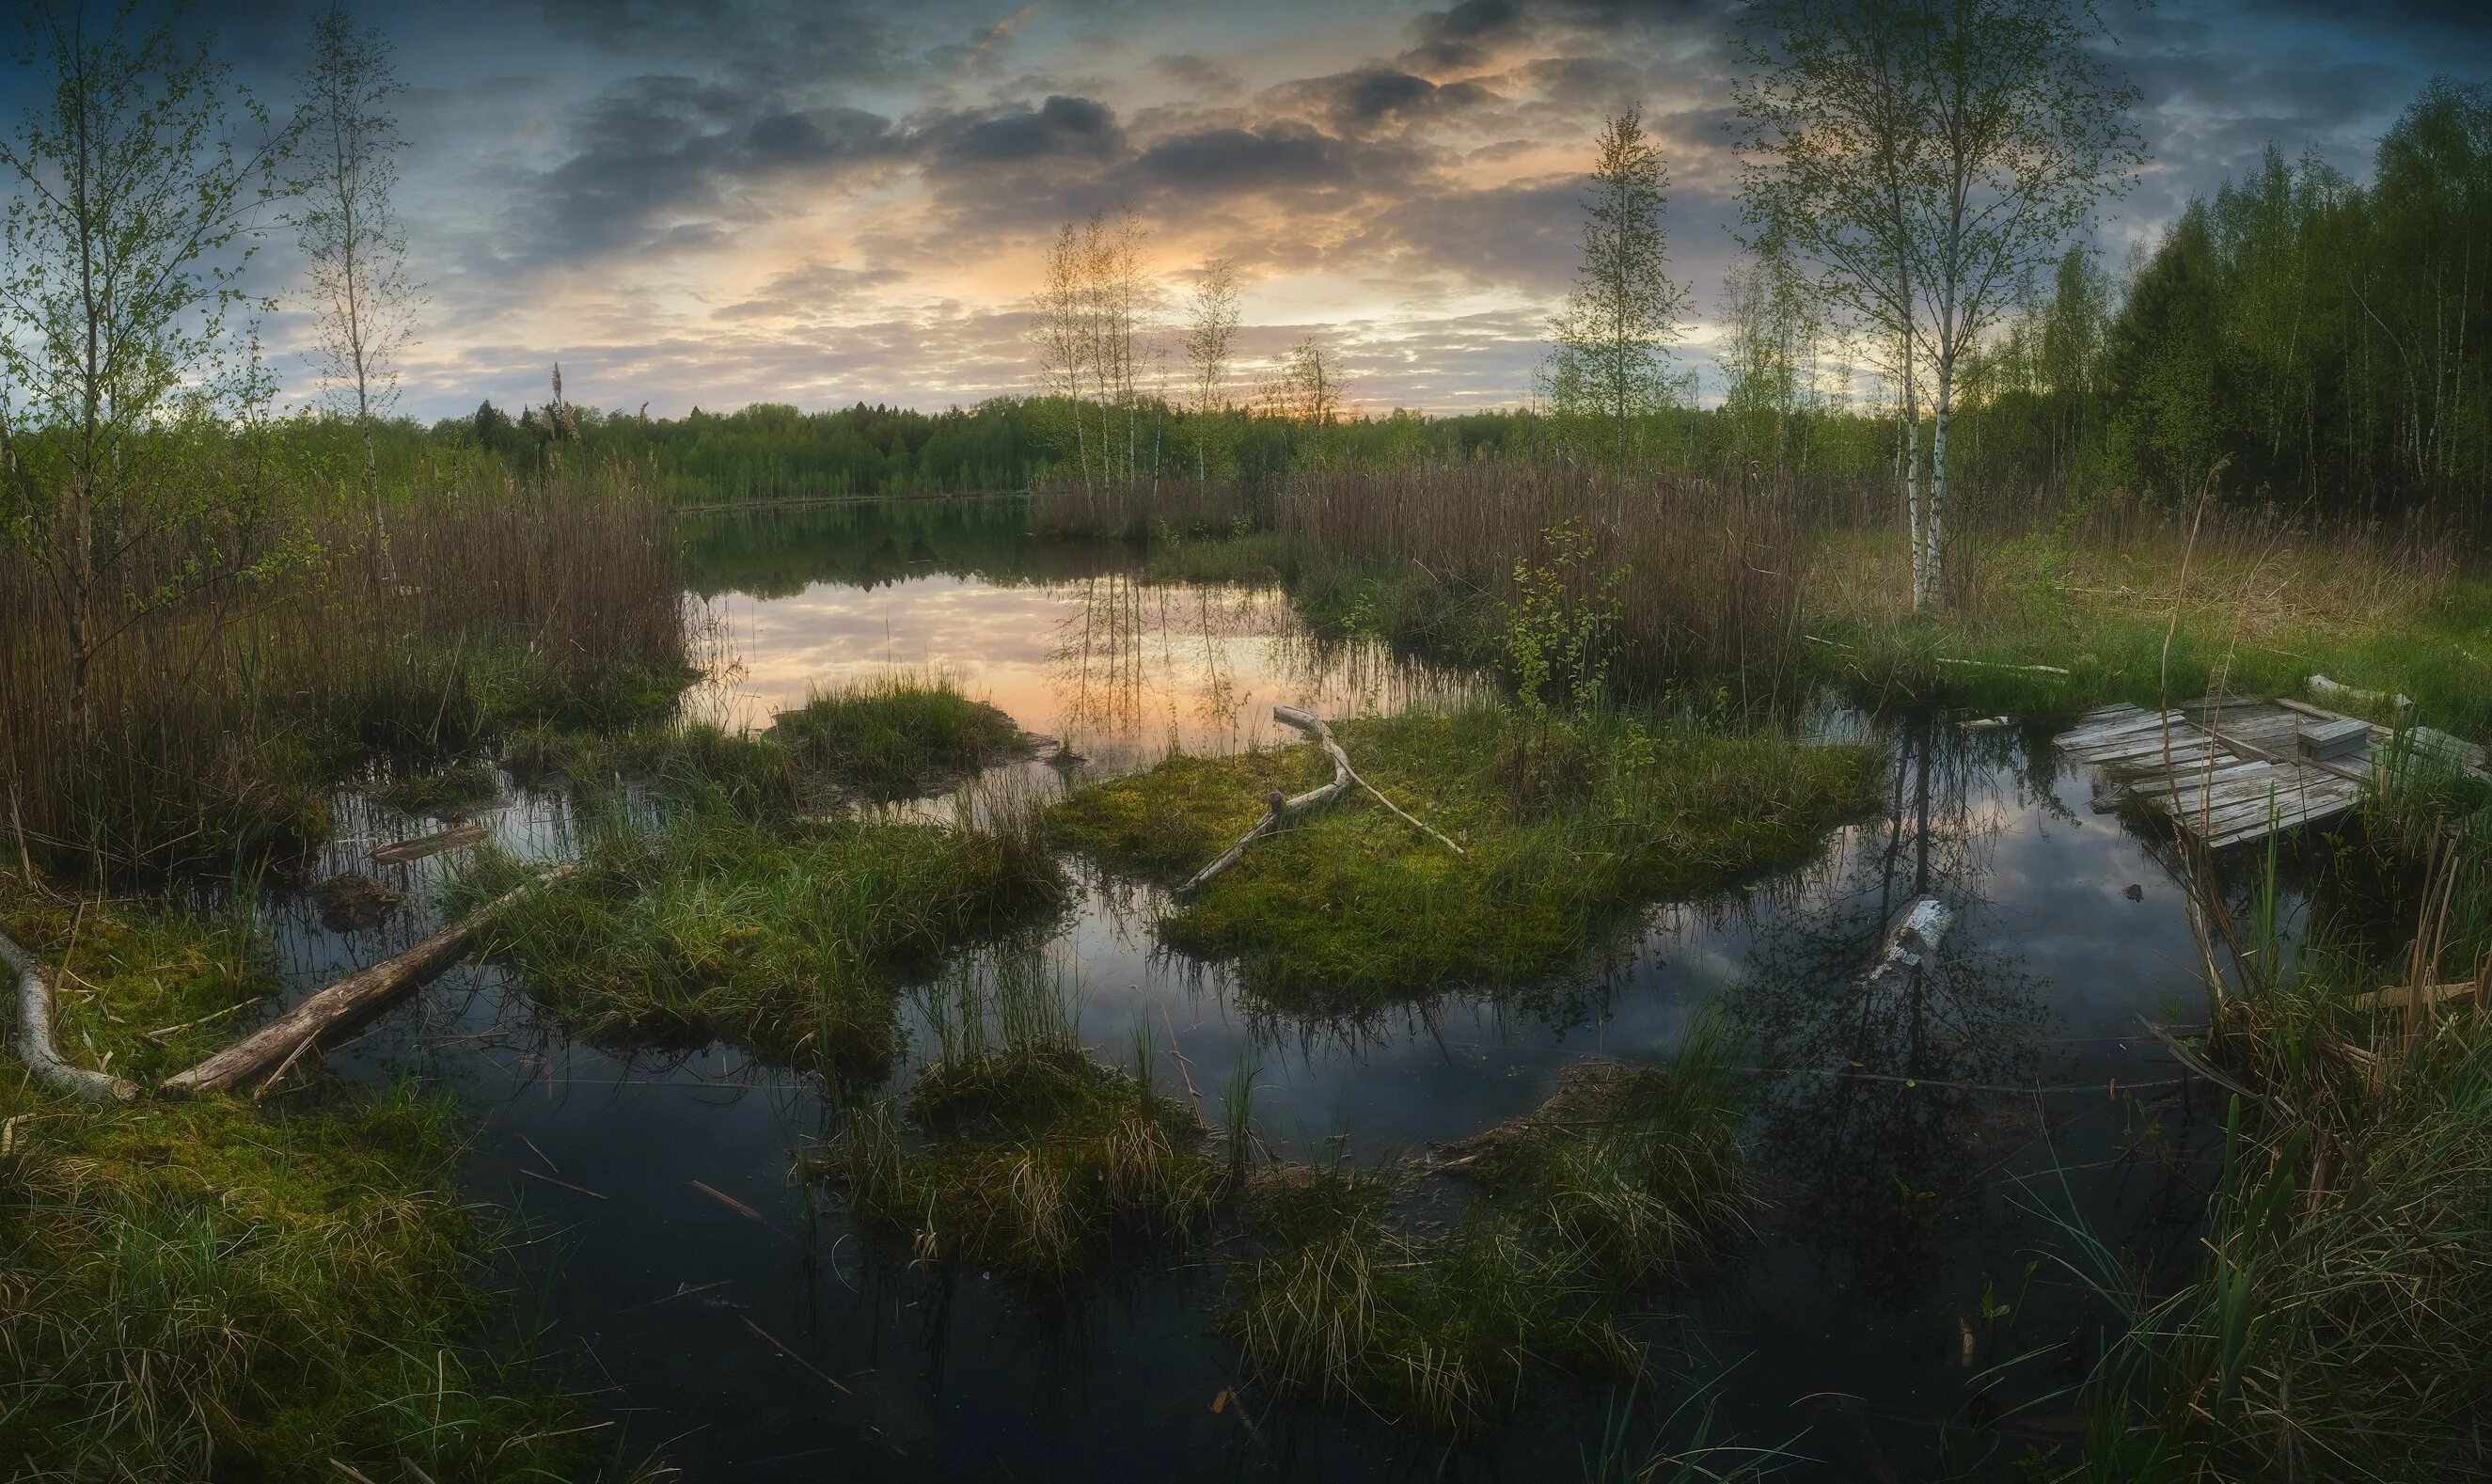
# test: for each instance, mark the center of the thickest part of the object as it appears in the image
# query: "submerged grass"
(441, 790)
(1568, 828)
(1026, 1156)
(215, 1288)
(1036, 1161)
(1625, 1179)
(793, 938)
(899, 737)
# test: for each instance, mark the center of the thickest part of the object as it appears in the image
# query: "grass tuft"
(899, 737)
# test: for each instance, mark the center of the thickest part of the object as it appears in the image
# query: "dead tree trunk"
(342, 1005)
(50, 1070)
(1279, 811)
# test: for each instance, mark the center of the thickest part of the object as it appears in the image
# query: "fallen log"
(342, 1005)
(50, 1070)
(1279, 811)
(2408, 997)
(435, 844)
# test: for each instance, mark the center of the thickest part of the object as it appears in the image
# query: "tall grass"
(218, 723)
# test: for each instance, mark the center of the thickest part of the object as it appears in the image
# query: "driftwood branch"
(51, 1071)
(342, 1005)
(1279, 811)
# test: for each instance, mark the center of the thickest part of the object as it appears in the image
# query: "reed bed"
(1709, 574)
(1137, 510)
(217, 726)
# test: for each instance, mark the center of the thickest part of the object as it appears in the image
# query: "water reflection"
(1891, 1153)
(1903, 1085)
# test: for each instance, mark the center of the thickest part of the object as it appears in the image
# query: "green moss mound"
(1568, 829)
(898, 738)
(794, 942)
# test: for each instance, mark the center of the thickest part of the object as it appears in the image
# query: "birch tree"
(1210, 344)
(1611, 357)
(128, 359)
(1833, 117)
(1094, 312)
(346, 224)
(1930, 158)
(2030, 132)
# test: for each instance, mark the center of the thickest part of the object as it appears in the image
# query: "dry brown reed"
(218, 724)
(1713, 569)
(1136, 509)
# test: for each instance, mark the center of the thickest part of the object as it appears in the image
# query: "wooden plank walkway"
(2226, 769)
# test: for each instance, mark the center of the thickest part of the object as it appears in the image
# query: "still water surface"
(1916, 1141)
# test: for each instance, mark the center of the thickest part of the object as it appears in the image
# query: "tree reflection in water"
(1886, 1116)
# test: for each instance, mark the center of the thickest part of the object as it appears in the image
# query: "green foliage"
(1557, 626)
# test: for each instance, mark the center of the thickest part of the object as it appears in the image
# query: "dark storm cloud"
(1060, 127)
(776, 42)
(1224, 162)
(1369, 98)
(659, 160)
(1460, 40)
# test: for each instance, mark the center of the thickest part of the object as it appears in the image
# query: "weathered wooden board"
(2225, 770)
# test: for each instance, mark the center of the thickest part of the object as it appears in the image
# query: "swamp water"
(1917, 1142)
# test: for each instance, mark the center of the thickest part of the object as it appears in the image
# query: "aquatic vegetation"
(218, 729)
(462, 782)
(899, 737)
(683, 761)
(219, 1288)
(2333, 1326)
(1036, 1160)
(1568, 828)
(1636, 1171)
(1442, 1332)
(1239, 556)
(790, 937)
(1625, 1179)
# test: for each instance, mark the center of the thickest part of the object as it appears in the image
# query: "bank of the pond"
(231, 1287)
(1566, 829)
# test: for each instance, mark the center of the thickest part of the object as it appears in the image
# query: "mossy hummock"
(1568, 829)
(222, 1289)
(899, 738)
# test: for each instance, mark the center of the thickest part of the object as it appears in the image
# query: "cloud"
(1061, 128)
(1369, 98)
(1201, 74)
(810, 290)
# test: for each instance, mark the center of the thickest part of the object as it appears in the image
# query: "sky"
(826, 202)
